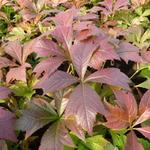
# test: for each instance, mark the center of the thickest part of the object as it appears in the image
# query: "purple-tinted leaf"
(56, 137)
(56, 82)
(18, 73)
(105, 52)
(4, 62)
(121, 4)
(144, 116)
(81, 54)
(7, 120)
(63, 35)
(145, 131)
(128, 52)
(65, 18)
(45, 47)
(4, 92)
(132, 142)
(84, 104)
(38, 114)
(111, 76)
(14, 49)
(48, 66)
(127, 101)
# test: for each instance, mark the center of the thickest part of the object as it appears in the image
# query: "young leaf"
(84, 104)
(132, 142)
(56, 82)
(37, 115)
(108, 76)
(7, 120)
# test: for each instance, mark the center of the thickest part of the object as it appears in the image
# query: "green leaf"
(145, 84)
(145, 143)
(146, 13)
(99, 143)
(21, 89)
(118, 139)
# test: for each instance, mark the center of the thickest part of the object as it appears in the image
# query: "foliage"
(74, 74)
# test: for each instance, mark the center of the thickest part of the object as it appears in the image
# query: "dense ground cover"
(74, 75)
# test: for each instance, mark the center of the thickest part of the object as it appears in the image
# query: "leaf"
(128, 52)
(4, 92)
(18, 73)
(81, 54)
(145, 84)
(64, 35)
(56, 82)
(146, 13)
(5, 62)
(7, 120)
(84, 104)
(105, 52)
(21, 89)
(45, 47)
(116, 117)
(145, 102)
(145, 143)
(108, 76)
(37, 115)
(145, 131)
(48, 66)
(127, 101)
(98, 143)
(56, 137)
(14, 49)
(65, 18)
(132, 142)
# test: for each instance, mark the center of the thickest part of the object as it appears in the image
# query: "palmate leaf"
(7, 120)
(37, 115)
(57, 81)
(84, 104)
(132, 142)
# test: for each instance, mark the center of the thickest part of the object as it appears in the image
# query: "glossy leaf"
(108, 76)
(81, 54)
(56, 82)
(84, 103)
